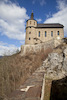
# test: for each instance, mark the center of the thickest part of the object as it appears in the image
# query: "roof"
(32, 16)
(30, 19)
(50, 25)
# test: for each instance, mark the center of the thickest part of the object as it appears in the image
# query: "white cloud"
(39, 20)
(42, 2)
(48, 15)
(4, 1)
(22, 42)
(12, 20)
(33, 1)
(61, 4)
(60, 16)
(6, 49)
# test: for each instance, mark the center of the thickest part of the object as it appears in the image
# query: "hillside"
(15, 69)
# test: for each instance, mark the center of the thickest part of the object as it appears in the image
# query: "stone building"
(39, 33)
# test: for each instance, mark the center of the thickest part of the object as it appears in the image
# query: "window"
(58, 33)
(39, 33)
(34, 23)
(29, 32)
(30, 22)
(52, 33)
(30, 27)
(29, 38)
(45, 33)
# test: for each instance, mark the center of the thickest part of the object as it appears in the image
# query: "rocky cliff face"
(56, 63)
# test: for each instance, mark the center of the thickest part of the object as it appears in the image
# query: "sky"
(13, 16)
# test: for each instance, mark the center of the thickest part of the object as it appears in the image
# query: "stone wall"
(25, 49)
(33, 34)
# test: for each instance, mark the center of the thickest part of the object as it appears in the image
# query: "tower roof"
(32, 16)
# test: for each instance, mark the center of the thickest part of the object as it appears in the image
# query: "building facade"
(39, 33)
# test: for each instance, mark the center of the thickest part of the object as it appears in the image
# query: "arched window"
(30, 22)
(58, 33)
(39, 33)
(45, 33)
(52, 33)
(34, 23)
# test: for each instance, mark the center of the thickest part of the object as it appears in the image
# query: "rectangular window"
(29, 38)
(39, 33)
(29, 32)
(45, 33)
(58, 33)
(52, 33)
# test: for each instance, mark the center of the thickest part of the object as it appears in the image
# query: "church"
(40, 33)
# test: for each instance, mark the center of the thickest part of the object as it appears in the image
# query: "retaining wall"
(25, 49)
(35, 48)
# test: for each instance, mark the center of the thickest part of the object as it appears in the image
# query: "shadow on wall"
(59, 89)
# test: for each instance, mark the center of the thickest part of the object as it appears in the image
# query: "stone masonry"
(39, 33)
(35, 48)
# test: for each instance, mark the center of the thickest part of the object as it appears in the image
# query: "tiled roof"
(50, 25)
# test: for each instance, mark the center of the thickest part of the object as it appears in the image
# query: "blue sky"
(13, 16)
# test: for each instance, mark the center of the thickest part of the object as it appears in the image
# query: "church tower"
(30, 30)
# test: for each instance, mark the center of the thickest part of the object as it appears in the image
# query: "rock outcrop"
(65, 60)
(55, 65)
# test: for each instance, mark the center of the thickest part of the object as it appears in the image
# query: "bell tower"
(30, 30)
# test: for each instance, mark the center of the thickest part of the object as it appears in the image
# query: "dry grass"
(15, 69)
